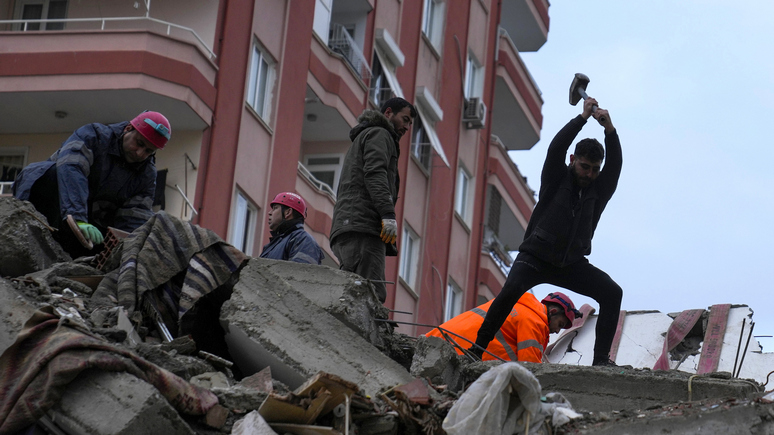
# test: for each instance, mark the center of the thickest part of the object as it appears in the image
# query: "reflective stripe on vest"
(500, 337)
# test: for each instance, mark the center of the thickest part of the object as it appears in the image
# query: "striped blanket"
(162, 249)
(50, 352)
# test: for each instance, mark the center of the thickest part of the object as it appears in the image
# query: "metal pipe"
(739, 346)
(185, 198)
(752, 326)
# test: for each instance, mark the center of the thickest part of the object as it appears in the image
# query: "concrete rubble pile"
(309, 352)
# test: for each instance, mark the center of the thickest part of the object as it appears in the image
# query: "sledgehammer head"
(578, 88)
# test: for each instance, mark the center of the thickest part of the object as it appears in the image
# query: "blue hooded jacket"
(292, 243)
(96, 184)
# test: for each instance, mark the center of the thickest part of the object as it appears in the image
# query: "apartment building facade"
(261, 95)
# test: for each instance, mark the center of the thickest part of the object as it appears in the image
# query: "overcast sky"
(690, 88)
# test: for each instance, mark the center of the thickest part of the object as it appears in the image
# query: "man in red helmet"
(102, 175)
(524, 334)
(289, 241)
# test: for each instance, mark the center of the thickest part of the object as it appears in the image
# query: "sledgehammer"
(578, 91)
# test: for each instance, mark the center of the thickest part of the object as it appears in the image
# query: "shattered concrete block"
(435, 359)
(113, 403)
(617, 388)
(15, 310)
(210, 380)
(270, 323)
(345, 295)
(252, 424)
(240, 398)
(27, 242)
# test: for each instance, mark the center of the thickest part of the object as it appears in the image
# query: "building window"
(11, 163)
(39, 10)
(322, 18)
(462, 196)
(409, 257)
(432, 24)
(473, 78)
(260, 82)
(325, 168)
(454, 299)
(243, 227)
(421, 148)
(380, 90)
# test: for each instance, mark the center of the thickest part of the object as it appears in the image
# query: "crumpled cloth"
(504, 400)
(50, 352)
(158, 251)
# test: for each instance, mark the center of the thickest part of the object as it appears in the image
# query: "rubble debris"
(252, 424)
(436, 360)
(15, 309)
(133, 406)
(617, 388)
(269, 323)
(344, 295)
(27, 242)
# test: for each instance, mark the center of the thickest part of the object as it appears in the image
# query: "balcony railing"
(24, 24)
(342, 43)
(319, 185)
(495, 248)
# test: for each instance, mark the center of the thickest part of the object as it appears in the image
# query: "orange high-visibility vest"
(523, 336)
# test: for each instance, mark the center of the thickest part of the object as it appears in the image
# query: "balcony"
(516, 118)
(527, 23)
(89, 64)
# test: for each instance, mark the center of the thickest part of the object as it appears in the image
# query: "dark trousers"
(580, 277)
(44, 195)
(363, 254)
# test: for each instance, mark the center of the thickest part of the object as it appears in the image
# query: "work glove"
(90, 232)
(389, 231)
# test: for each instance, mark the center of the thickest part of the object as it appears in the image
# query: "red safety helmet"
(569, 308)
(154, 127)
(291, 200)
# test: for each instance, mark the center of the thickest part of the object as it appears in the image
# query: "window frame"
(243, 224)
(408, 269)
(259, 57)
(45, 12)
(462, 196)
(326, 167)
(455, 298)
(421, 151)
(473, 78)
(433, 14)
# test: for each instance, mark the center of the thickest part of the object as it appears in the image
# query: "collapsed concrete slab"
(115, 403)
(15, 309)
(617, 388)
(270, 323)
(27, 242)
(344, 295)
(436, 360)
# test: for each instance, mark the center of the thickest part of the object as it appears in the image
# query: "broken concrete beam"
(113, 403)
(15, 310)
(270, 323)
(436, 360)
(727, 417)
(344, 295)
(617, 388)
(27, 242)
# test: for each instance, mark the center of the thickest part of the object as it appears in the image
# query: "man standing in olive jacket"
(364, 228)
(559, 233)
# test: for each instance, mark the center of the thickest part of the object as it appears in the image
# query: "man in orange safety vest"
(524, 335)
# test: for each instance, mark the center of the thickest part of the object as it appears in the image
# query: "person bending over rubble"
(364, 229)
(524, 334)
(102, 175)
(288, 239)
(559, 233)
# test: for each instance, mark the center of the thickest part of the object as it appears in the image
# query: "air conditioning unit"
(474, 114)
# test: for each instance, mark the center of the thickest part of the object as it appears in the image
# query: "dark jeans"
(580, 277)
(363, 254)
(44, 195)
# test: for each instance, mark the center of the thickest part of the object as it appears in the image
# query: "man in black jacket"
(559, 233)
(364, 228)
